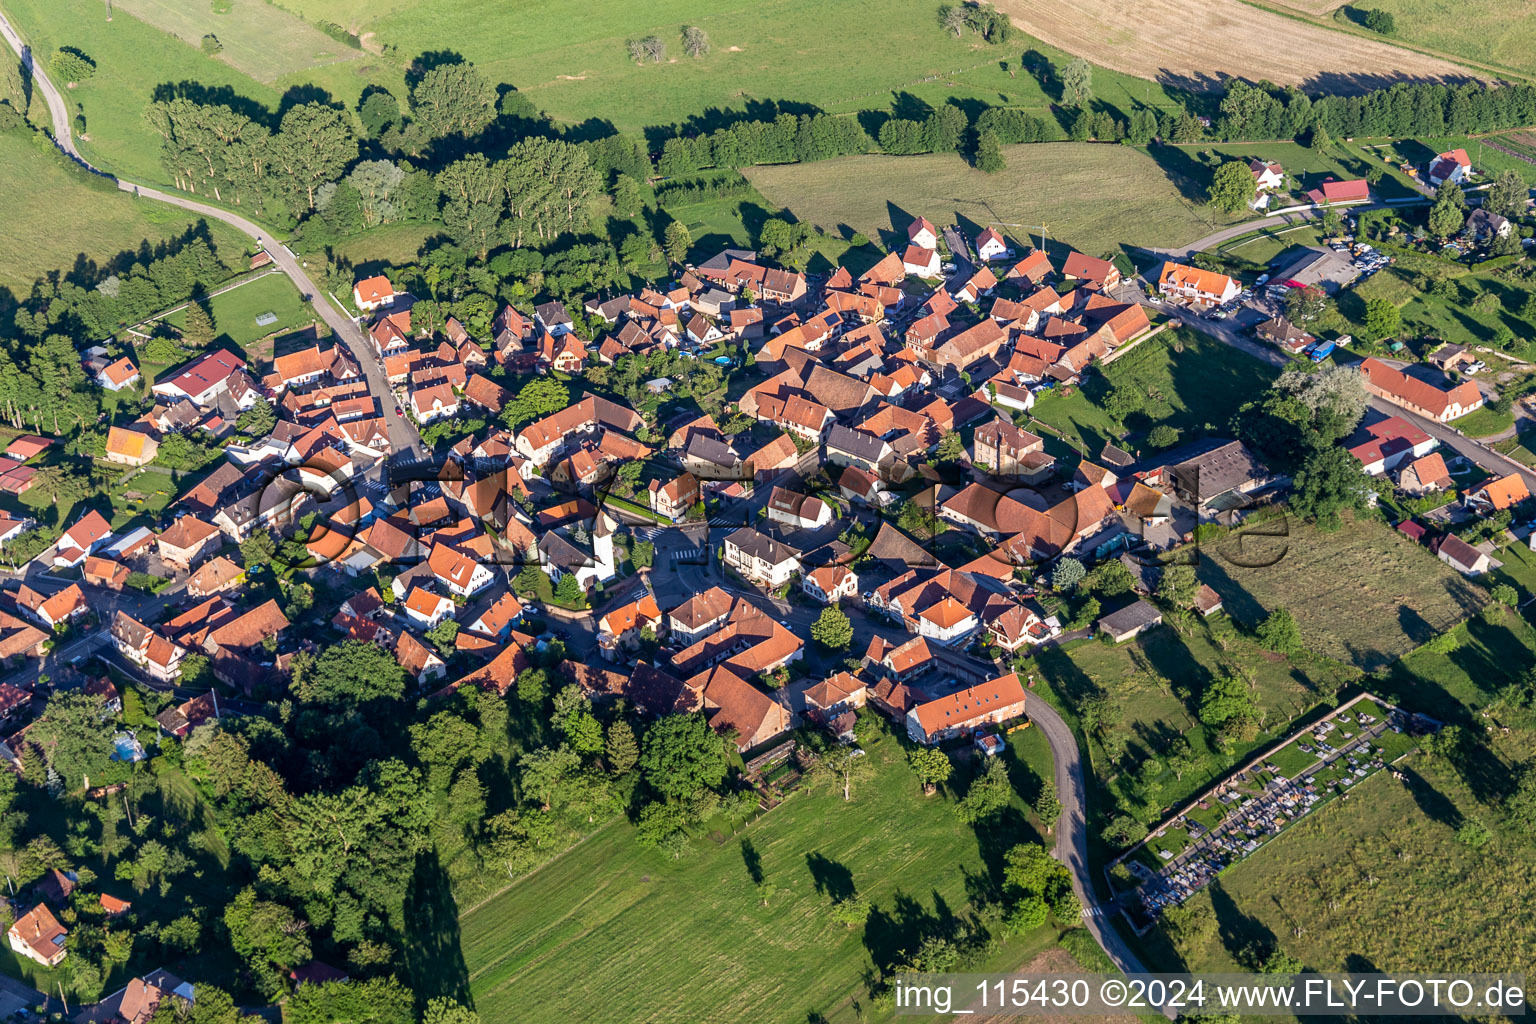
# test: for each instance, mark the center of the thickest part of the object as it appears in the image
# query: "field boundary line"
(1424, 51)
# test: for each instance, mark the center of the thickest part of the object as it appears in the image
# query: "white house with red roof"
(990, 245)
(1266, 176)
(963, 712)
(373, 293)
(90, 533)
(920, 261)
(1454, 167)
(202, 380)
(923, 234)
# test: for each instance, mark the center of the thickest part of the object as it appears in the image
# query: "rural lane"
(1072, 833)
(402, 434)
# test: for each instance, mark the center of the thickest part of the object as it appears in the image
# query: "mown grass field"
(55, 214)
(613, 931)
(1087, 196)
(1463, 318)
(259, 39)
(1363, 594)
(572, 61)
(235, 311)
(1190, 381)
(1497, 32)
(134, 59)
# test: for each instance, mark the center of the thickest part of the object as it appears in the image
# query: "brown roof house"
(187, 540)
(215, 576)
(1461, 556)
(733, 704)
(37, 935)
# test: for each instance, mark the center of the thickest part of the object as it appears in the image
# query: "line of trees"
(1265, 111)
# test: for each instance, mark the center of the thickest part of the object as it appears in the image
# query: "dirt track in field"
(1197, 43)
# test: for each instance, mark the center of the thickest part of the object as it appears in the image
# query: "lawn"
(1092, 197)
(147, 493)
(1267, 245)
(1466, 317)
(736, 221)
(1186, 380)
(1363, 594)
(259, 39)
(1447, 685)
(391, 244)
(59, 217)
(565, 942)
(1484, 422)
(235, 311)
(1310, 166)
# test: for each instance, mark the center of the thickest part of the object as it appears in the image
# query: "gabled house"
(923, 234)
(1420, 396)
(88, 534)
(700, 615)
(118, 375)
(1453, 167)
(153, 653)
(1101, 274)
(1130, 621)
(674, 498)
(990, 246)
(1267, 177)
(186, 540)
(130, 447)
(1422, 476)
(920, 261)
(53, 610)
(373, 293)
(830, 583)
(621, 628)
(1194, 286)
(427, 609)
(796, 510)
(1498, 494)
(1461, 556)
(759, 558)
(38, 936)
(963, 712)
(420, 662)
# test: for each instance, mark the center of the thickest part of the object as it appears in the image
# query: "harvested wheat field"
(1197, 43)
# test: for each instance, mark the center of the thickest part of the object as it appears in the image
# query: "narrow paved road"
(1292, 219)
(1072, 832)
(402, 434)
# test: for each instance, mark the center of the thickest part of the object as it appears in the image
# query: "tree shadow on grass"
(1236, 929)
(1435, 804)
(433, 958)
(831, 878)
